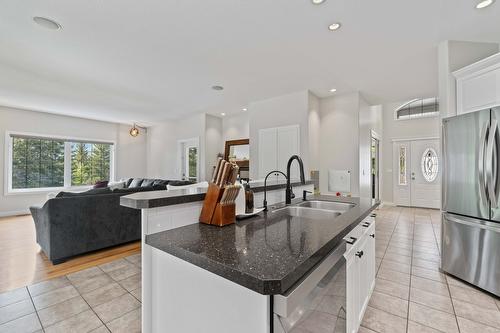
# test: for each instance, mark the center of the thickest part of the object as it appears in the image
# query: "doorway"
(188, 152)
(417, 173)
(375, 163)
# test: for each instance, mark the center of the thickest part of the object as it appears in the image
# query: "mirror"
(238, 151)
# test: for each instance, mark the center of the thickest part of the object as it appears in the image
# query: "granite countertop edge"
(252, 282)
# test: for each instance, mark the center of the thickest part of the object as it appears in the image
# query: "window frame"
(422, 116)
(8, 190)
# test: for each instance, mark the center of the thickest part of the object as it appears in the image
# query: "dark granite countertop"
(154, 199)
(267, 253)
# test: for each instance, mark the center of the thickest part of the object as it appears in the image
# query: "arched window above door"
(418, 108)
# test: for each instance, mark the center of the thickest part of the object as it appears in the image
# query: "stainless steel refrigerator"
(470, 235)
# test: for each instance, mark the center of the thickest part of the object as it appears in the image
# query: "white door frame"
(408, 163)
(182, 146)
(376, 136)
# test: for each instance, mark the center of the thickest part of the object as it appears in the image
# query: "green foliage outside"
(89, 163)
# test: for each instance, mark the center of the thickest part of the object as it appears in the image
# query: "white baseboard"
(387, 203)
(14, 213)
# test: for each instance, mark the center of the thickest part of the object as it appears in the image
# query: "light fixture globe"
(134, 131)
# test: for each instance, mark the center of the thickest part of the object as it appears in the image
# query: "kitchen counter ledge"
(268, 253)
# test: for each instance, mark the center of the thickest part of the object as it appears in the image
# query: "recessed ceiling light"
(222, 114)
(47, 23)
(484, 3)
(334, 26)
(333, 90)
(244, 109)
(317, 2)
(218, 88)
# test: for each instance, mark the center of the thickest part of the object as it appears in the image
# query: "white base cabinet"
(360, 271)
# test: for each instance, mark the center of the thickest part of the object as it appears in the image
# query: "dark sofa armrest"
(40, 216)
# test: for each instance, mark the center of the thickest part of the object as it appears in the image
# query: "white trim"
(388, 204)
(415, 139)
(14, 213)
(194, 142)
(67, 163)
(375, 135)
(482, 66)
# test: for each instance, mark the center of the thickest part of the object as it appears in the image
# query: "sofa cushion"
(160, 182)
(115, 185)
(147, 183)
(136, 182)
(94, 191)
(101, 184)
(133, 189)
(180, 182)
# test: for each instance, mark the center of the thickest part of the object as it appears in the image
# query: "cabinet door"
(352, 293)
(370, 257)
(362, 262)
(288, 144)
(478, 91)
(268, 151)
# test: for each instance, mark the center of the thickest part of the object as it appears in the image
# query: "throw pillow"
(147, 183)
(136, 182)
(101, 184)
(114, 185)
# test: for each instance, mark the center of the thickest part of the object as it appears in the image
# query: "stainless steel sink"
(341, 207)
(309, 213)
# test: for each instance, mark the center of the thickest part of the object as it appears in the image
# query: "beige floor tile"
(478, 314)
(26, 324)
(54, 297)
(16, 310)
(13, 296)
(474, 297)
(128, 323)
(414, 327)
(391, 304)
(431, 300)
(397, 250)
(319, 322)
(134, 259)
(383, 322)
(453, 281)
(113, 265)
(432, 265)
(469, 326)
(81, 276)
(104, 294)
(428, 274)
(116, 307)
(430, 286)
(101, 329)
(394, 276)
(49, 285)
(396, 266)
(61, 311)
(392, 288)
(93, 283)
(426, 256)
(82, 322)
(131, 283)
(436, 319)
(124, 272)
(365, 330)
(331, 304)
(137, 293)
(427, 250)
(398, 258)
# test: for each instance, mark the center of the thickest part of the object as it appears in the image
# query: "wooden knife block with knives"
(219, 205)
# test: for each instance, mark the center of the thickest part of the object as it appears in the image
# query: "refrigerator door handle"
(472, 222)
(481, 164)
(491, 164)
(444, 194)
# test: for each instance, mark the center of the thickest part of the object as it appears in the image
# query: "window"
(430, 165)
(418, 108)
(43, 163)
(192, 163)
(402, 166)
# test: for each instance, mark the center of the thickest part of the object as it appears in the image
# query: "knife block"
(224, 214)
(212, 199)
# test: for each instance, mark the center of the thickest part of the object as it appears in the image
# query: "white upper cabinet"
(478, 85)
(276, 145)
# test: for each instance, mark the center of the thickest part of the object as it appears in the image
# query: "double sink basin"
(316, 209)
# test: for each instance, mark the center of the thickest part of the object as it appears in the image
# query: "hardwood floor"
(23, 263)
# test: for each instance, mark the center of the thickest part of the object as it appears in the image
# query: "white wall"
(400, 129)
(130, 153)
(339, 138)
(453, 55)
(236, 126)
(213, 143)
(314, 123)
(286, 110)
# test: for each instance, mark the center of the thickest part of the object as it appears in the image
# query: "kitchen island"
(247, 277)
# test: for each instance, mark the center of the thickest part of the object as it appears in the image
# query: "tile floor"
(104, 298)
(411, 294)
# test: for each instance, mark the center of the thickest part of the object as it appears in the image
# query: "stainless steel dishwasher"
(318, 302)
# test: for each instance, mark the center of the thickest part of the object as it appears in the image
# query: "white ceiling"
(146, 61)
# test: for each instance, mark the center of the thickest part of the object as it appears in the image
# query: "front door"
(425, 186)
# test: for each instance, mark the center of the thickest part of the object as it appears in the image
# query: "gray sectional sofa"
(75, 223)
